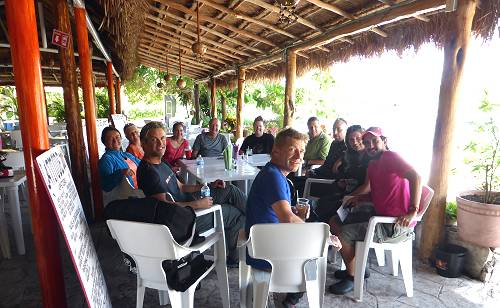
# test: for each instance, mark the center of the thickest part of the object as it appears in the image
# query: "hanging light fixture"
(198, 48)
(287, 11)
(167, 77)
(181, 83)
(159, 84)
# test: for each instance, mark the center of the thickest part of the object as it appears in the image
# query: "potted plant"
(478, 214)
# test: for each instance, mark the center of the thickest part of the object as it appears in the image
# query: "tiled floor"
(19, 284)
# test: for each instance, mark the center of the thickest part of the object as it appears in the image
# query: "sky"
(401, 95)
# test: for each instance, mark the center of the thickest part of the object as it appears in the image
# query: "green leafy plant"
(484, 151)
(8, 103)
(451, 211)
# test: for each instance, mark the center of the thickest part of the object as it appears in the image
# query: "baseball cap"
(375, 131)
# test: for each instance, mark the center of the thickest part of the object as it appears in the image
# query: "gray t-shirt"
(208, 147)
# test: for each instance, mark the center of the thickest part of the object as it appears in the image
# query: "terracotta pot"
(478, 223)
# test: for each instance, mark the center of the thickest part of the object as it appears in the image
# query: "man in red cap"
(394, 187)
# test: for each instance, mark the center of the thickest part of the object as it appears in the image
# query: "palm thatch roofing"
(248, 34)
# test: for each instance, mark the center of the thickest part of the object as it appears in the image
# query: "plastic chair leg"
(182, 299)
(359, 270)
(140, 294)
(4, 235)
(395, 261)
(244, 277)
(260, 290)
(313, 269)
(380, 254)
(221, 270)
(163, 296)
(406, 267)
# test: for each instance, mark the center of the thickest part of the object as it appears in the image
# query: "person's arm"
(415, 184)
(360, 194)
(196, 147)
(196, 204)
(270, 144)
(284, 212)
(110, 174)
(315, 162)
(244, 146)
(189, 188)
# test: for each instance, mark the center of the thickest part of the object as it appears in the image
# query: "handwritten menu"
(64, 198)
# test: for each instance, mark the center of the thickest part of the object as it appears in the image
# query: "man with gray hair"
(210, 144)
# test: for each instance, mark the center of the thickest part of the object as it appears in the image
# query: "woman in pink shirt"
(175, 145)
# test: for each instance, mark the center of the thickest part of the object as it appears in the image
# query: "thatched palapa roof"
(246, 33)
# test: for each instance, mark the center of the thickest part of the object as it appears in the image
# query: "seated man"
(259, 142)
(394, 187)
(156, 179)
(337, 150)
(318, 145)
(209, 144)
(270, 197)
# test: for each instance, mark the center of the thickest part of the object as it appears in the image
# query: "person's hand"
(353, 201)
(128, 172)
(406, 220)
(335, 242)
(176, 169)
(219, 184)
(204, 203)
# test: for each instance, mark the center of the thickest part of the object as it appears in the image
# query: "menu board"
(64, 198)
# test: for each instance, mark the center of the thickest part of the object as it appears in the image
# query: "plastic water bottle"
(200, 162)
(205, 191)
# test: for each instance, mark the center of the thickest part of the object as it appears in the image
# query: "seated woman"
(134, 146)
(175, 145)
(259, 142)
(350, 173)
(115, 164)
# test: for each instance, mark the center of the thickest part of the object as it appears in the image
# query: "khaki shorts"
(384, 233)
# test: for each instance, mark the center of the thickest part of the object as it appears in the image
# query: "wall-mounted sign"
(60, 38)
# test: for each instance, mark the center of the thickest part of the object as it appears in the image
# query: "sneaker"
(342, 287)
(342, 274)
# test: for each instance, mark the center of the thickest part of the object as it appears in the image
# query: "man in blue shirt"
(269, 200)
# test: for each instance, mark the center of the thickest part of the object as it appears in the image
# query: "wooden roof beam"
(214, 43)
(173, 66)
(242, 16)
(220, 51)
(175, 44)
(174, 70)
(155, 56)
(217, 22)
(379, 32)
(331, 8)
(160, 52)
(275, 9)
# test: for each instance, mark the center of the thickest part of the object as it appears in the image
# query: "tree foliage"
(8, 103)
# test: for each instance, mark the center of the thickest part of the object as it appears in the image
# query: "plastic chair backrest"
(135, 239)
(425, 200)
(287, 246)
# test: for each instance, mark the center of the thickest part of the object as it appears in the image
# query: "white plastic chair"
(136, 240)
(401, 253)
(297, 253)
(310, 182)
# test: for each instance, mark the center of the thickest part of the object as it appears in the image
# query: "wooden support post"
(455, 50)
(89, 105)
(290, 75)
(223, 108)
(25, 53)
(197, 103)
(240, 102)
(72, 109)
(118, 96)
(111, 89)
(213, 97)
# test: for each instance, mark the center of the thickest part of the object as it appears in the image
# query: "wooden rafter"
(221, 24)
(243, 45)
(211, 42)
(220, 51)
(331, 8)
(160, 52)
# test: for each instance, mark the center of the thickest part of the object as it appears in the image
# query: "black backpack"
(180, 220)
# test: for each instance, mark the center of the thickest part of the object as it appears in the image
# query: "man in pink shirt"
(394, 187)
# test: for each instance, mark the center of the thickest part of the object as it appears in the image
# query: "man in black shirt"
(259, 142)
(156, 179)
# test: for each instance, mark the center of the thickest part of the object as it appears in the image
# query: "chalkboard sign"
(64, 198)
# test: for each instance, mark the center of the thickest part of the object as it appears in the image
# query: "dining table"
(214, 169)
